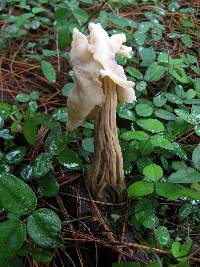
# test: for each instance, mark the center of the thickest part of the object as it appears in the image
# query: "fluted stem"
(105, 180)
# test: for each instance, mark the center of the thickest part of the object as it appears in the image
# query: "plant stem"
(106, 177)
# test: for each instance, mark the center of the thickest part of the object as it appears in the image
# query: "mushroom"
(100, 84)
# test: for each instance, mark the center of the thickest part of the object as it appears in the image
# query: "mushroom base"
(105, 179)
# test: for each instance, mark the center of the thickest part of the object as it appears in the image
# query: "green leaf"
(180, 252)
(160, 141)
(48, 186)
(26, 173)
(69, 159)
(141, 86)
(135, 135)
(64, 36)
(37, 10)
(190, 118)
(15, 195)
(32, 106)
(187, 41)
(49, 53)
(30, 130)
(60, 114)
(168, 190)
(190, 94)
(128, 167)
(42, 165)
(3, 5)
(14, 262)
(185, 211)
(67, 88)
(34, 95)
(144, 213)
(48, 71)
(164, 114)
(144, 110)
(13, 233)
(163, 236)
(179, 151)
(139, 38)
(153, 172)
(180, 91)
(196, 157)
(125, 113)
(159, 100)
(163, 57)
(22, 18)
(57, 145)
(61, 15)
(88, 144)
(179, 74)
(184, 176)
(152, 125)
(147, 55)
(44, 228)
(154, 72)
(145, 26)
(190, 193)
(140, 189)
(1, 122)
(197, 129)
(41, 255)
(5, 134)
(16, 155)
(134, 73)
(151, 221)
(122, 21)
(23, 98)
(81, 15)
(173, 98)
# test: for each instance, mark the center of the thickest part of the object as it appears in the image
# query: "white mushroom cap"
(93, 58)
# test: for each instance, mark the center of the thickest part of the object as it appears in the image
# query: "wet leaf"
(163, 236)
(88, 144)
(140, 189)
(180, 251)
(196, 157)
(23, 98)
(144, 110)
(164, 114)
(154, 72)
(41, 165)
(44, 228)
(67, 88)
(48, 71)
(135, 135)
(16, 155)
(13, 233)
(168, 190)
(139, 37)
(26, 173)
(153, 172)
(41, 255)
(15, 195)
(160, 141)
(184, 176)
(48, 186)
(152, 125)
(69, 159)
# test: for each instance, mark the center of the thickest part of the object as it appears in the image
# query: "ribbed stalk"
(106, 176)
